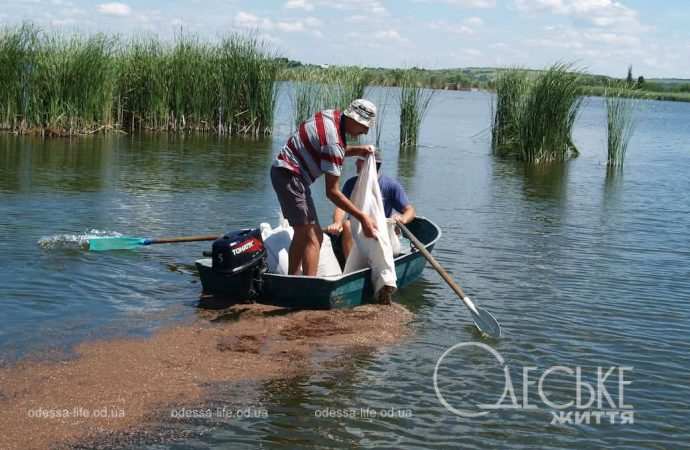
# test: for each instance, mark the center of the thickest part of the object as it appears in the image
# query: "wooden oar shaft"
(183, 239)
(422, 249)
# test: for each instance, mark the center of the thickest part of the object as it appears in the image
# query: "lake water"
(583, 269)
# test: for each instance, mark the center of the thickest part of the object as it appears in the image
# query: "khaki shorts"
(294, 197)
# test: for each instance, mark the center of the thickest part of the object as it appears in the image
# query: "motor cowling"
(238, 250)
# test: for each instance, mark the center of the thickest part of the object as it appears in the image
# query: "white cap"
(362, 111)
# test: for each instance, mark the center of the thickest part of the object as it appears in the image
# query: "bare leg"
(305, 249)
(346, 238)
(310, 263)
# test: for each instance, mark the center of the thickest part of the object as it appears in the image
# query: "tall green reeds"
(55, 83)
(512, 87)
(382, 103)
(78, 84)
(306, 96)
(414, 103)
(142, 91)
(534, 114)
(620, 123)
(317, 89)
(18, 60)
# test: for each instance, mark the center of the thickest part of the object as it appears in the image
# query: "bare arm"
(338, 222)
(339, 199)
(359, 150)
(342, 202)
(407, 216)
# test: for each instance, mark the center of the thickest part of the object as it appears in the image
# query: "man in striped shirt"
(317, 147)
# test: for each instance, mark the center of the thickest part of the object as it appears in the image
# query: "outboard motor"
(238, 263)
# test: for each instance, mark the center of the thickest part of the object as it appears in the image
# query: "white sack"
(393, 236)
(277, 243)
(374, 253)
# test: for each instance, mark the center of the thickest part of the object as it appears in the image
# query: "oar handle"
(441, 271)
(180, 239)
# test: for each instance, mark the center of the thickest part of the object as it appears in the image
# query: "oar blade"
(487, 323)
(101, 244)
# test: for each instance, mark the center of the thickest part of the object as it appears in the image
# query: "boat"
(249, 279)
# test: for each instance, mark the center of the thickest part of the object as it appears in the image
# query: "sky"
(600, 36)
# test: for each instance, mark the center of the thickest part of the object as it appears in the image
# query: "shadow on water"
(334, 383)
(185, 163)
(613, 182)
(69, 165)
(407, 164)
(543, 185)
(546, 182)
(137, 163)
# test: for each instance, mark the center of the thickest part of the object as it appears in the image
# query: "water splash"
(74, 241)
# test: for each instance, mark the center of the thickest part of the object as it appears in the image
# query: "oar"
(483, 319)
(99, 244)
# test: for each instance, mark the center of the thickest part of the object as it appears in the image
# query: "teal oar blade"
(100, 244)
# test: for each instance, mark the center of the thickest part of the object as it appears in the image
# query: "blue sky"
(602, 36)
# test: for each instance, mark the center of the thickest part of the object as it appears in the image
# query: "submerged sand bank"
(113, 386)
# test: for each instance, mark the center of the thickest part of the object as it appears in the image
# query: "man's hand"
(368, 226)
(366, 150)
(398, 218)
(334, 228)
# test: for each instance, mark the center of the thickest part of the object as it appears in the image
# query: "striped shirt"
(318, 146)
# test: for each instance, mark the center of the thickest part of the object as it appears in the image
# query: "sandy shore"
(113, 386)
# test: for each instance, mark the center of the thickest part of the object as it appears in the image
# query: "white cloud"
(467, 27)
(299, 4)
(245, 19)
(290, 27)
(62, 22)
(248, 20)
(312, 22)
(357, 19)
(363, 7)
(472, 52)
(463, 3)
(600, 13)
(389, 35)
(612, 38)
(473, 22)
(114, 9)
(472, 3)
(555, 43)
(447, 27)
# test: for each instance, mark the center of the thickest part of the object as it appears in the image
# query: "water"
(582, 268)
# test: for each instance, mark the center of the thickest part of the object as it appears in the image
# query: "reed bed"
(317, 89)
(80, 84)
(620, 110)
(535, 114)
(382, 102)
(414, 103)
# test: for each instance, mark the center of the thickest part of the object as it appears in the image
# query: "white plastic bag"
(277, 243)
(367, 252)
(328, 263)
